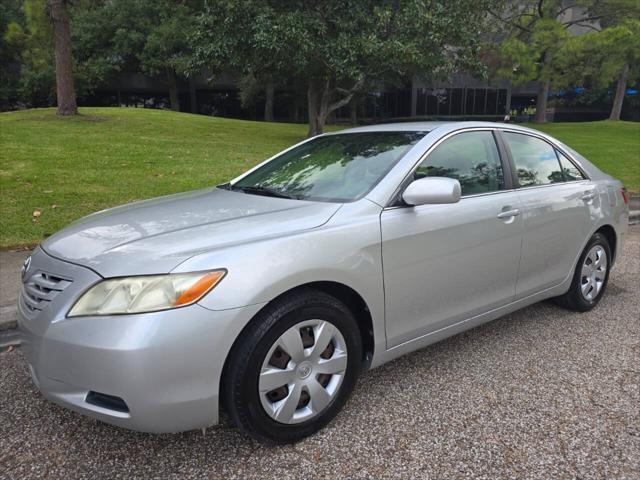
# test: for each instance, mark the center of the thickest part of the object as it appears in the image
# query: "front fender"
(345, 251)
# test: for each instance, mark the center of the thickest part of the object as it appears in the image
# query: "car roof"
(396, 127)
(430, 126)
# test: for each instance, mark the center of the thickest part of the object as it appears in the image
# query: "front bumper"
(166, 366)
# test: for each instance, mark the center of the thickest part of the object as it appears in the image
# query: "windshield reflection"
(334, 168)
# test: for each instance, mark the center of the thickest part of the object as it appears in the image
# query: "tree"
(599, 59)
(95, 61)
(27, 54)
(10, 15)
(166, 49)
(619, 45)
(151, 36)
(336, 47)
(252, 88)
(538, 35)
(65, 90)
(28, 60)
(238, 36)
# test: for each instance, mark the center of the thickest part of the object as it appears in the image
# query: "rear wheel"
(590, 277)
(293, 368)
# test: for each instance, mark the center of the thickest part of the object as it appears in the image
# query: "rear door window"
(570, 171)
(535, 160)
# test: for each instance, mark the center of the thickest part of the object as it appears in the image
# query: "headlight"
(145, 293)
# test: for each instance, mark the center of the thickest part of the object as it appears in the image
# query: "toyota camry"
(266, 296)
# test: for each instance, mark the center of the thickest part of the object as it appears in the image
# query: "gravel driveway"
(542, 393)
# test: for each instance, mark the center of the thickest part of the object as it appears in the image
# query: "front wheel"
(293, 368)
(590, 277)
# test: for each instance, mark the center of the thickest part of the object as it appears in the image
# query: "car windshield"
(332, 168)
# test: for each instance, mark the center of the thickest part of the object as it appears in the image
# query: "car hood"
(154, 236)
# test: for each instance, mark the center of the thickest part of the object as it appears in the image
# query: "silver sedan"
(267, 296)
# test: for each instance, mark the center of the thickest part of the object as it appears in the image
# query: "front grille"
(40, 289)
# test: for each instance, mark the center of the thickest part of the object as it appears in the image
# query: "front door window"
(472, 158)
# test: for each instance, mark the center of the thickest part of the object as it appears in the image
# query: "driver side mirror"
(432, 190)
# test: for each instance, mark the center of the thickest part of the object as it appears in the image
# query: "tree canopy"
(336, 47)
(151, 36)
(26, 42)
(600, 58)
(329, 51)
(538, 45)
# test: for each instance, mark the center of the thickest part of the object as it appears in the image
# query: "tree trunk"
(295, 106)
(616, 110)
(414, 98)
(192, 95)
(507, 108)
(269, 91)
(353, 111)
(541, 103)
(172, 81)
(319, 95)
(314, 101)
(65, 90)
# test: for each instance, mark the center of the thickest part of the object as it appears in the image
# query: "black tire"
(240, 382)
(573, 299)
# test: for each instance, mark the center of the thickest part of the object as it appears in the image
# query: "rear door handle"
(509, 213)
(588, 196)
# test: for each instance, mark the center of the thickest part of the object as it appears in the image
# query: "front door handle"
(509, 213)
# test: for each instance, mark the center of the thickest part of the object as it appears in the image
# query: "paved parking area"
(542, 393)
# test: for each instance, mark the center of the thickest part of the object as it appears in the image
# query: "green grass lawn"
(67, 168)
(614, 147)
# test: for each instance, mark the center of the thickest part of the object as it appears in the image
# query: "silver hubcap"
(302, 372)
(594, 271)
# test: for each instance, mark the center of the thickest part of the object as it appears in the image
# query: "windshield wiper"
(258, 190)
